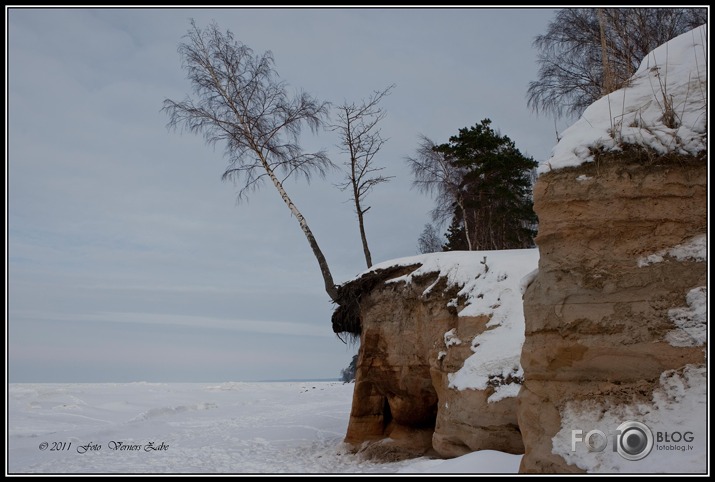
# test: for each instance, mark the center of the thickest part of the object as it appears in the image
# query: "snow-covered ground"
(234, 427)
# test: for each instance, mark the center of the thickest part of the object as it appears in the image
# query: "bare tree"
(429, 241)
(361, 139)
(239, 99)
(436, 175)
(589, 52)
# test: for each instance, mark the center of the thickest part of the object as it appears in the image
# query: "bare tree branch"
(429, 241)
(435, 175)
(588, 52)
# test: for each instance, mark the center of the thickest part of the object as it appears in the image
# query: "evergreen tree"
(347, 374)
(456, 237)
(495, 190)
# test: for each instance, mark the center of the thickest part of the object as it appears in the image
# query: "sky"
(128, 259)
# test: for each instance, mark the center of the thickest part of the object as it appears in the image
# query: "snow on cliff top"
(673, 74)
(492, 284)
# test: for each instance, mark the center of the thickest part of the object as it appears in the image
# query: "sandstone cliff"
(599, 316)
(615, 319)
(440, 340)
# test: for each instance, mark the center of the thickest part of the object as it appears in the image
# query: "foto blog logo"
(632, 440)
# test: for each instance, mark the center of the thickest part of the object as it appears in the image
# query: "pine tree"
(495, 191)
(347, 374)
(456, 237)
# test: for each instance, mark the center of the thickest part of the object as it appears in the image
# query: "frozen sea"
(189, 428)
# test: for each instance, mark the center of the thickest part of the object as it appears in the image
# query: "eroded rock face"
(599, 312)
(402, 404)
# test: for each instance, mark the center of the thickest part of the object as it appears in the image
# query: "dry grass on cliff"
(646, 156)
(631, 155)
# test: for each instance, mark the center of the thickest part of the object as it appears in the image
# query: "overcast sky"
(129, 259)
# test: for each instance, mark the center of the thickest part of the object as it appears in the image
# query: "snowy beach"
(233, 427)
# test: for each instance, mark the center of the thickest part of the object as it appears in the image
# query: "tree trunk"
(608, 83)
(330, 287)
(365, 249)
(360, 212)
(466, 225)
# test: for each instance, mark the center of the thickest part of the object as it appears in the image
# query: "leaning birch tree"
(238, 100)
